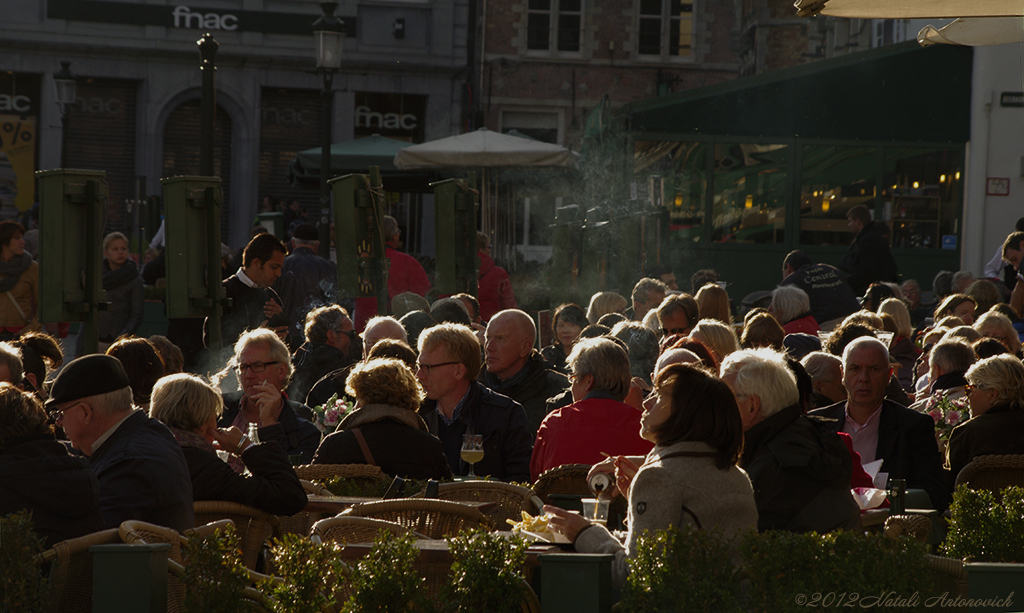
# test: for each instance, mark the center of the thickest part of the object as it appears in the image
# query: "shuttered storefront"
(181, 151)
(290, 121)
(101, 136)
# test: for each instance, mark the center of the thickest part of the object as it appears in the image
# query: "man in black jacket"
(254, 303)
(307, 281)
(140, 467)
(869, 258)
(883, 430)
(457, 404)
(515, 369)
(800, 470)
(831, 296)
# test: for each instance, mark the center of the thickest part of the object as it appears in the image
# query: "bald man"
(883, 430)
(515, 369)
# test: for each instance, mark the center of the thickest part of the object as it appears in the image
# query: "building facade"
(139, 85)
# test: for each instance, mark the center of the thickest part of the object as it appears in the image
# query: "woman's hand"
(227, 438)
(606, 466)
(565, 522)
(625, 470)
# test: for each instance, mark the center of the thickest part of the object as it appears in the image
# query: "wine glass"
(472, 451)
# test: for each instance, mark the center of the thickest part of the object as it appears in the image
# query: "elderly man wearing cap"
(140, 467)
(307, 281)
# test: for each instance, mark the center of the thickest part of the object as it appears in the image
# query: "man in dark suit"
(883, 430)
(254, 303)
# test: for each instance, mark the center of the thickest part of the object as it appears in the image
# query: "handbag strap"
(16, 305)
(367, 455)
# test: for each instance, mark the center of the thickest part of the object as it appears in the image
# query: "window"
(539, 125)
(675, 175)
(554, 24)
(750, 193)
(666, 28)
(834, 179)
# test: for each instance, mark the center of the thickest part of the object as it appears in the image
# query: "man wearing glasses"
(264, 369)
(331, 344)
(140, 467)
(457, 404)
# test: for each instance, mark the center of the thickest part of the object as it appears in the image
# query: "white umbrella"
(482, 149)
(974, 32)
(910, 9)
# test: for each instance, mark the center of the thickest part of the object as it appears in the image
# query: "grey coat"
(677, 491)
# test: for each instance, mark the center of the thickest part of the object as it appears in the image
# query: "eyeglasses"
(969, 387)
(670, 331)
(57, 415)
(427, 367)
(255, 366)
(351, 334)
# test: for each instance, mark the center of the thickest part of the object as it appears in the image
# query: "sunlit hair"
(964, 332)
(716, 335)
(10, 356)
(113, 236)
(865, 341)
(384, 381)
(570, 313)
(642, 346)
(142, 363)
(704, 353)
(322, 320)
(459, 342)
(267, 337)
(1003, 373)
(844, 334)
(763, 330)
(185, 402)
(645, 287)
(822, 366)
(713, 303)
(999, 327)
(40, 353)
(986, 295)
(22, 417)
(703, 410)
(604, 360)
(605, 302)
(952, 356)
(762, 373)
(680, 303)
(897, 309)
(788, 303)
(392, 348)
(112, 403)
(174, 360)
(947, 306)
(864, 318)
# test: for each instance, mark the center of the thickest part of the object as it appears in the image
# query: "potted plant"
(215, 578)
(22, 585)
(386, 579)
(486, 574)
(311, 575)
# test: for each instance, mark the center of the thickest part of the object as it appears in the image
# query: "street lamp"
(64, 84)
(329, 35)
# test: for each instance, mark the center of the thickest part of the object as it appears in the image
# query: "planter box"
(1000, 584)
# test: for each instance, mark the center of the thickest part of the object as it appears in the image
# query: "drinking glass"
(472, 451)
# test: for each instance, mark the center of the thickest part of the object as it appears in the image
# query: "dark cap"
(306, 232)
(88, 376)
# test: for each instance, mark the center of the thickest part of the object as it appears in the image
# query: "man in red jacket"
(494, 288)
(405, 274)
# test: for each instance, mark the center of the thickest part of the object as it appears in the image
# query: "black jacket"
(272, 486)
(143, 475)
(530, 387)
(831, 297)
(906, 446)
(996, 431)
(508, 445)
(801, 474)
(312, 363)
(60, 489)
(869, 258)
(293, 430)
(397, 439)
(246, 310)
(307, 281)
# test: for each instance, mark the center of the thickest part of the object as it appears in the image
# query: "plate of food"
(535, 529)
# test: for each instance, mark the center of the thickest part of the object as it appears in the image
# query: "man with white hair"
(515, 369)
(948, 363)
(799, 468)
(826, 372)
(883, 430)
(307, 281)
(264, 369)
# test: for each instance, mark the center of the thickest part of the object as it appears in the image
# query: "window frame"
(554, 14)
(666, 21)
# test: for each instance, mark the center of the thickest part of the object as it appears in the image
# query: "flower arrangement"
(328, 415)
(948, 413)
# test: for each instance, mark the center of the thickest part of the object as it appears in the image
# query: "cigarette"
(606, 455)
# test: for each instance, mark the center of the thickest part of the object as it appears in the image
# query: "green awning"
(355, 155)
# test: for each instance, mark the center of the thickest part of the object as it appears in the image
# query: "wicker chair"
(317, 472)
(572, 479)
(254, 526)
(992, 472)
(511, 499)
(70, 562)
(314, 488)
(350, 529)
(917, 526)
(435, 519)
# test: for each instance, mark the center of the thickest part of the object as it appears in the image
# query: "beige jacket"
(660, 491)
(26, 293)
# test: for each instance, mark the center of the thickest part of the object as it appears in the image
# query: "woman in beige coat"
(691, 478)
(19, 283)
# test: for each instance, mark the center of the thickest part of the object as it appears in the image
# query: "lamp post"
(64, 84)
(329, 35)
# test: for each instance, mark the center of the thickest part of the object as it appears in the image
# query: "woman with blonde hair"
(957, 305)
(995, 391)
(998, 326)
(385, 429)
(190, 407)
(603, 303)
(763, 330)
(713, 303)
(716, 335)
(902, 348)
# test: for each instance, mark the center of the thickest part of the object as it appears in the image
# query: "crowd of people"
(701, 415)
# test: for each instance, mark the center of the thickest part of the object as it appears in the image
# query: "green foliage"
(357, 486)
(214, 574)
(681, 570)
(984, 527)
(22, 585)
(311, 573)
(486, 573)
(386, 579)
(798, 572)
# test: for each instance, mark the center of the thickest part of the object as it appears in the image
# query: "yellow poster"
(17, 162)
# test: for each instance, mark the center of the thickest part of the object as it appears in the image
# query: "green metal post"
(567, 238)
(93, 270)
(362, 262)
(455, 237)
(208, 103)
(378, 267)
(129, 578)
(213, 269)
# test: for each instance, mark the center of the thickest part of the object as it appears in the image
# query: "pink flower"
(953, 417)
(331, 417)
(936, 414)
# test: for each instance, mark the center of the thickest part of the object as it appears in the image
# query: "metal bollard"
(576, 582)
(129, 578)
